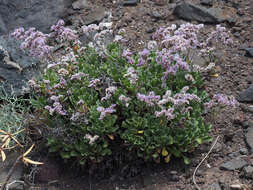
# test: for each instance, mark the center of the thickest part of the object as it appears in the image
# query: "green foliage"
(13, 115)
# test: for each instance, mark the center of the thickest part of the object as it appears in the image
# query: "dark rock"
(193, 12)
(149, 30)
(3, 28)
(247, 124)
(156, 15)
(95, 16)
(249, 138)
(206, 2)
(235, 164)
(246, 95)
(49, 171)
(214, 186)
(160, 2)
(16, 68)
(249, 52)
(79, 4)
(130, 2)
(41, 14)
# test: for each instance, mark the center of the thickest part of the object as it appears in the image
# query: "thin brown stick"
(11, 172)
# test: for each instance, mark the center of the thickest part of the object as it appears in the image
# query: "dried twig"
(15, 181)
(11, 172)
(195, 171)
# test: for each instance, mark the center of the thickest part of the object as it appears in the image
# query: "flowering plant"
(98, 100)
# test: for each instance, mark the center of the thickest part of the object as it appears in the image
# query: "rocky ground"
(230, 164)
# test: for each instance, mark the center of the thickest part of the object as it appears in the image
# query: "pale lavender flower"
(144, 53)
(168, 113)
(80, 102)
(124, 99)
(53, 65)
(33, 41)
(221, 100)
(141, 62)
(93, 83)
(91, 139)
(46, 81)
(109, 92)
(50, 109)
(106, 111)
(63, 34)
(152, 45)
(189, 78)
(105, 25)
(56, 98)
(33, 83)
(78, 76)
(131, 75)
(57, 107)
(150, 99)
(63, 72)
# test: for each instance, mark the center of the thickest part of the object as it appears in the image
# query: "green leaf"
(73, 153)
(199, 140)
(65, 155)
(186, 160)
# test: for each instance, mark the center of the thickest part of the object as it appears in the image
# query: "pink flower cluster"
(106, 111)
(34, 41)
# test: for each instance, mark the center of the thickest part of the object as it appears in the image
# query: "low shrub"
(99, 99)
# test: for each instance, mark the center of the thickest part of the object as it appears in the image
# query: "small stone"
(79, 4)
(249, 138)
(249, 52)
(214, 186)
(243, 151)
(130, 2)
(156, 15)
(218, 147)
(234, 164)
(149, 30)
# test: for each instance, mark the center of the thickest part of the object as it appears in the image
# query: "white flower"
(63, 72)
